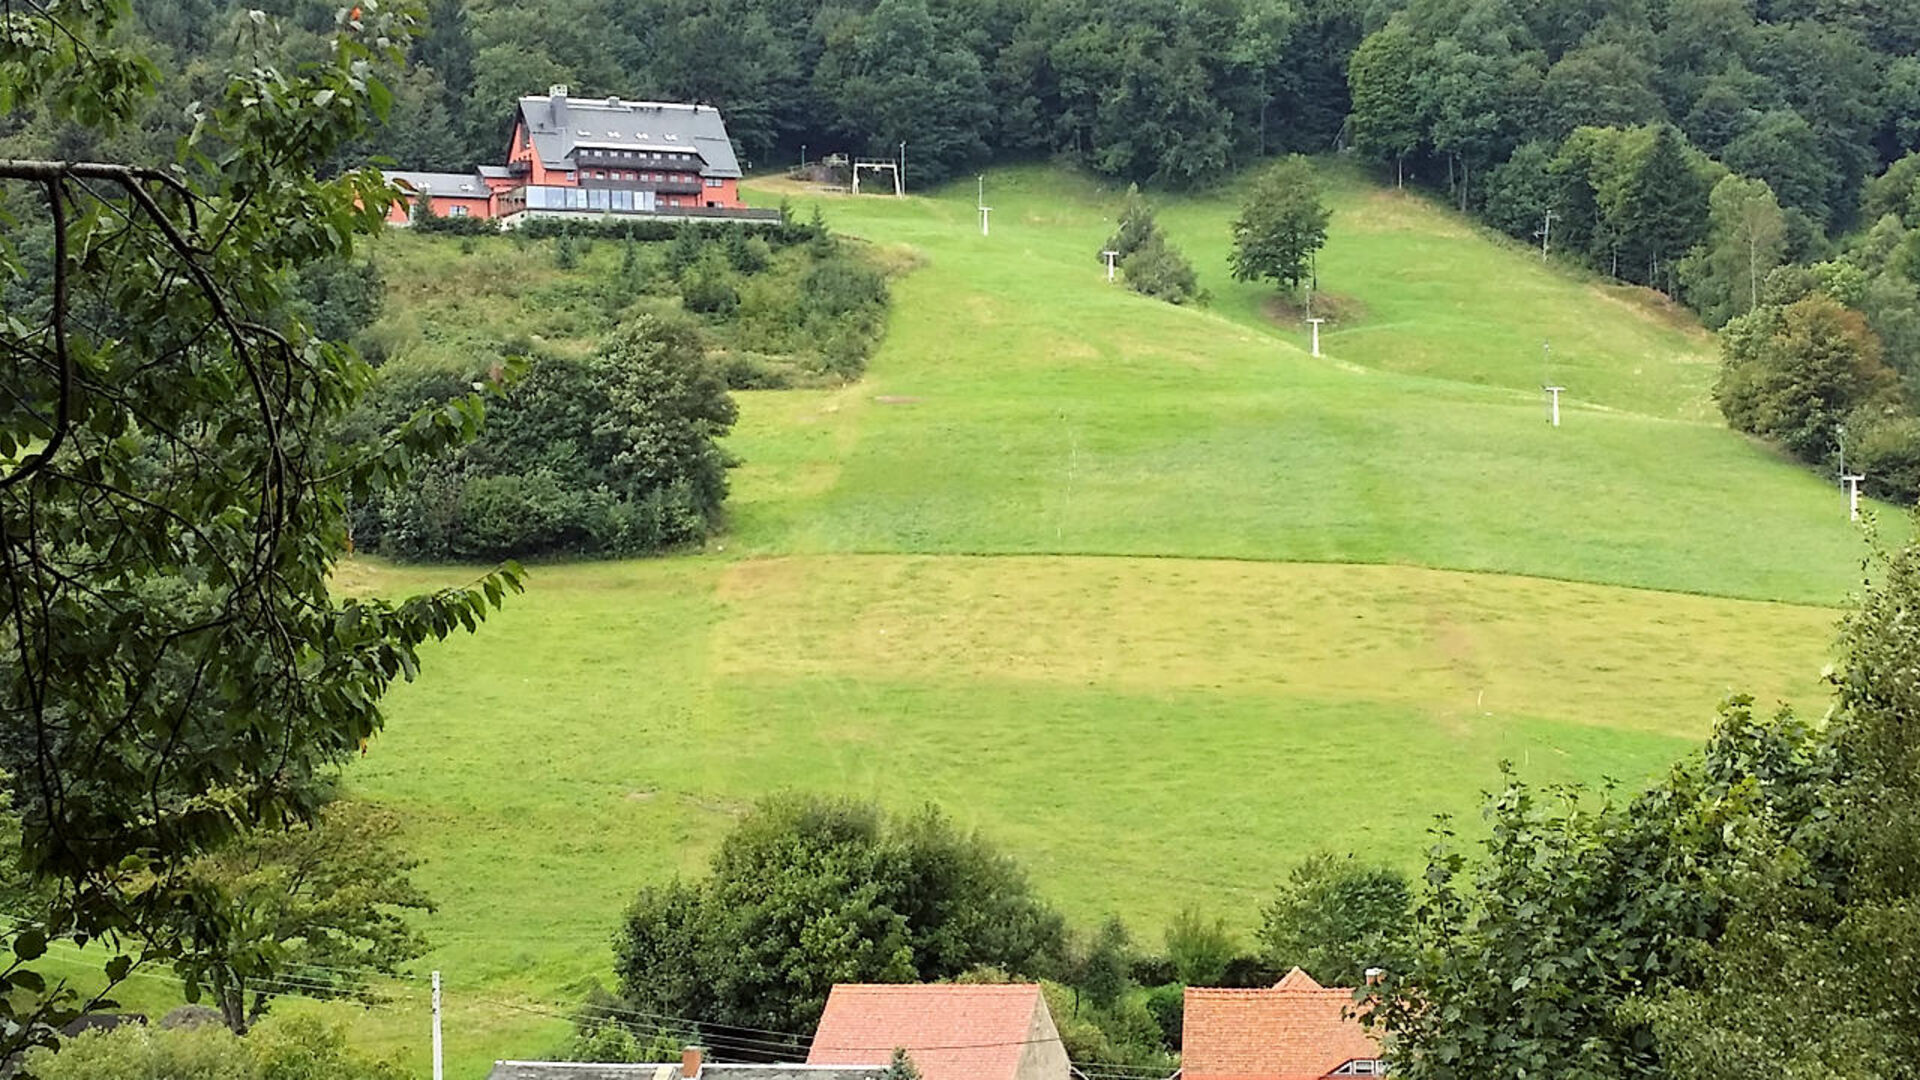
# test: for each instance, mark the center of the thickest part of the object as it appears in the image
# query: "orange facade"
(670, 182)
(480, 206)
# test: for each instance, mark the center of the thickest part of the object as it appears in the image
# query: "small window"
(456, 210)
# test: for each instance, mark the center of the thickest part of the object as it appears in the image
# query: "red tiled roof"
(1296, 1030)
(952, 1032)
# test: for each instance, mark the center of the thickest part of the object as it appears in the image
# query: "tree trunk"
(233, 1006)
(1399, 172)
(1463, 185)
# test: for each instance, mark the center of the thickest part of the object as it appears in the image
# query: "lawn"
(1148, 594)
(1142, 733)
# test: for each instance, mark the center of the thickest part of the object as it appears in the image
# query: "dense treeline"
(1167, 92)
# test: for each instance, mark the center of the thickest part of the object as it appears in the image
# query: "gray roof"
(496, 172)
(458, 185)
(571, 1070)
(651, 125)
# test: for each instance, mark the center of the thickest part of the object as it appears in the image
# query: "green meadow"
(1150, 595)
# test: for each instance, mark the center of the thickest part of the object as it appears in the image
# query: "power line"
(740, 1039)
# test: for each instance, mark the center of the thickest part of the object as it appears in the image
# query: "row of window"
(617, 174)
(642, 155)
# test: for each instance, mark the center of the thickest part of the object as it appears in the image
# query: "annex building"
(593, 156)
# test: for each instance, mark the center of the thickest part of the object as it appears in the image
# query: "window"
(456, 210)
(569, 174)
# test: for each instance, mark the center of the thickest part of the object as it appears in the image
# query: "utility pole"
(900, 178)
(1315, 323)
(1853, 495)
(1546, 232)
(1555, 391)
(438, 1074)
(1110, 256)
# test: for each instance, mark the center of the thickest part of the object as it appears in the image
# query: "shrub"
(1137, 226)
(1793, 374)
(758, 371)
(747, 254)
(284, 1048)
(457, 226)
(1158, 270)
(707, 287)
(1885, 446)
(685, 251)
(841, 287)
(1200, 948)
(566, 255)
(1167, 1004)
(613, 454)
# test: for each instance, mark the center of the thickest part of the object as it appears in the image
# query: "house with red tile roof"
(952, 1032)
(1293, 1030)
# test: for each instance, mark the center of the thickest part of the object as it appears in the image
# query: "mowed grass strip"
(1460, 648)
(1021, 405)
(1117, 724)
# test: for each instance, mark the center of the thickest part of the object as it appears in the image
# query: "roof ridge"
(935, 986)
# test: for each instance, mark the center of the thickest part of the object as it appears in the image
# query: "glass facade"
(611, 200)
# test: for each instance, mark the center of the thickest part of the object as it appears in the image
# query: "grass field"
(1148, 594)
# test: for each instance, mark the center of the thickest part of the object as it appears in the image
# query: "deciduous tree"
(325, 903)
(172, 500)
(1792, 374)
(1281, 225)
(807, 892)
(1383, 78)
(1746, 239)
(1335, 918)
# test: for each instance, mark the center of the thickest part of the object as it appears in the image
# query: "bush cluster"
(614, 454)
(1148, 262)
(1809, 375)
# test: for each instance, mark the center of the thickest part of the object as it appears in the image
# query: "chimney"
(1374, 975)
(690, 1061)
(557, 106)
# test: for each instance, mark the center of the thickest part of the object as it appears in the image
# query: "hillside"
(1145, 592)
